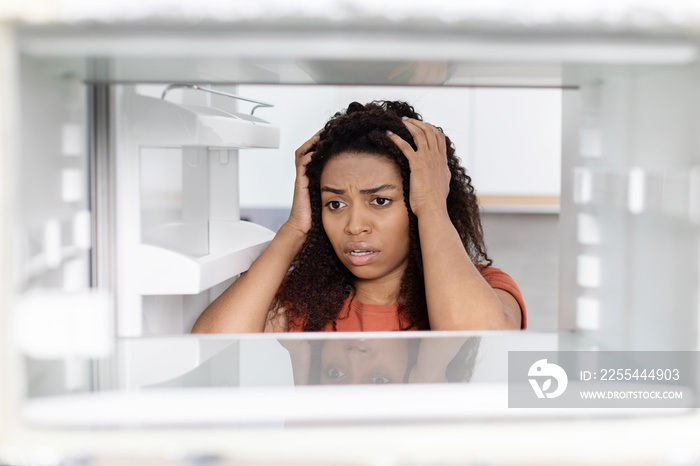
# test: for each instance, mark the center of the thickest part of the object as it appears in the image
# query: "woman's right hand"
(300, 216)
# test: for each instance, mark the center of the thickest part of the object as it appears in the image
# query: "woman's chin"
(374, 271)
(363, 272)
(367, 274)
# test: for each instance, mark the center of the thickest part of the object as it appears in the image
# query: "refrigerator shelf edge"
(159, 123)
(162, 271)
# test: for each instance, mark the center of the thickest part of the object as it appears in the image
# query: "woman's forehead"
(360, 167)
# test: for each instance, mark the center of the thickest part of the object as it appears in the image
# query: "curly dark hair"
(318, 283)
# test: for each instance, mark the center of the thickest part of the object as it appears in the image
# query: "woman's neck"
(382, 291)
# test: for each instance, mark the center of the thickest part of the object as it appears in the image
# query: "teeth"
(360, 252)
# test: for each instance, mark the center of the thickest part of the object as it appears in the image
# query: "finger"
(417, 133)
(301, 170)
(308, 145)
(431, 134)
(304, 161)
(403, 146)
(442, 142)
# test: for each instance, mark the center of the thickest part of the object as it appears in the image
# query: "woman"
(384, 234)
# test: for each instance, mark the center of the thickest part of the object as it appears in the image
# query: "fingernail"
(389, 132)
(404, 118)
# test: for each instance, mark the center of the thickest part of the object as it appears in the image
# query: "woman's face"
(364, 214)
(364, 361)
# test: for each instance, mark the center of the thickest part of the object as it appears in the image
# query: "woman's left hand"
(430, 175)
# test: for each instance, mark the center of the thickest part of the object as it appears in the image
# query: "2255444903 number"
(640, 374)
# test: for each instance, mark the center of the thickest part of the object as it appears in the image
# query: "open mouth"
(360, 253)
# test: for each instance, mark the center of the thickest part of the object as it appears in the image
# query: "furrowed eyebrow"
(384, 187)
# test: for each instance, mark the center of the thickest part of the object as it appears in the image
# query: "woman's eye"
(379, 380)
(334, 373)
(381, 201)
(334, 205)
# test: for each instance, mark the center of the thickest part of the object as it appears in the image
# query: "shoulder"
(494, 275)
(498, 279)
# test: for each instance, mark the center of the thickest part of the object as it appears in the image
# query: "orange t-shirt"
(360, 317)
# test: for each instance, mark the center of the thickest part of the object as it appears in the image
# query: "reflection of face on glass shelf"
(382, 360)
(364, 361)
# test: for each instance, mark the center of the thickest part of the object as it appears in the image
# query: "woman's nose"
(357, 222)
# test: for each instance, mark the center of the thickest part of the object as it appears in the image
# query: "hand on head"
(430, 175)
(300, 216)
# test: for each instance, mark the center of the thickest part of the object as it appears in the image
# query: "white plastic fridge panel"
(163, 271)
(160, 123)
(638, 190)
